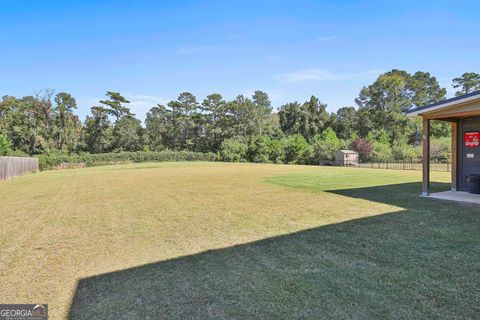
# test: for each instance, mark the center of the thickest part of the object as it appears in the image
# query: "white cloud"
(325, 75)
(195, 49)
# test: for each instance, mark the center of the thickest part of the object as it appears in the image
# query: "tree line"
(242, 129)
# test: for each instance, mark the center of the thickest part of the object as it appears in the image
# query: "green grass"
(216, 241)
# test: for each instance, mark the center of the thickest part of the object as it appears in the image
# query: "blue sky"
(152, 50)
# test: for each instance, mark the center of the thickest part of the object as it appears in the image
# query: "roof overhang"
(450, 108)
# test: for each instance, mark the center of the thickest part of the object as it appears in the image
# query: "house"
(463, 113)
(346, 158)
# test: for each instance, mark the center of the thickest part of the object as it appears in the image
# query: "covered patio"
(461, 196)
(463, 113)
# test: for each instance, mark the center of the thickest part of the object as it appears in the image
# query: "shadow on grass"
(421, 262)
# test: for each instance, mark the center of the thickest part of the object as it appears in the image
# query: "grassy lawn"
(217, 240)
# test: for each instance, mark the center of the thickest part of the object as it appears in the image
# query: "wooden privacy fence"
(16, 166)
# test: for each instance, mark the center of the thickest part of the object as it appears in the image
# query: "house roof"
(347, 151)
(445, 103)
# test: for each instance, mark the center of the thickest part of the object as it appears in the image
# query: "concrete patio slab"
(460, 196)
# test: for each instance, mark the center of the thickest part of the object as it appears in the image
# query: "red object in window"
(472, 139)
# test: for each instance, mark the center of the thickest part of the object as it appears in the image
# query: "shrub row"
(296, 149)
(52, 161)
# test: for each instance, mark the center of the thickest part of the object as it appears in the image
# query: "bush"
(233, 150)
(401, 150)
(297, 150)
(51, 161)
(276, 149)
(16, 153)
(382, 149)
(382, 152)
(258, 149)
(4, 145)
(264, 149)
(441, 148)
(325, 146)
(364, 148)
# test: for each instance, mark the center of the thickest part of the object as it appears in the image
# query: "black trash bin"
(474, 184)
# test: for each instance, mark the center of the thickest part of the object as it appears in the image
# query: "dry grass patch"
(61, 227)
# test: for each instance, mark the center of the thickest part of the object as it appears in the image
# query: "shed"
(346, 158)
(463, 113)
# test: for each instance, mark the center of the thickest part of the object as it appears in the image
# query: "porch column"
(454, 155)
(426, 157)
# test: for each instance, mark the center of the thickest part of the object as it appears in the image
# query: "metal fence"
(16, 166)
(442, 165)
